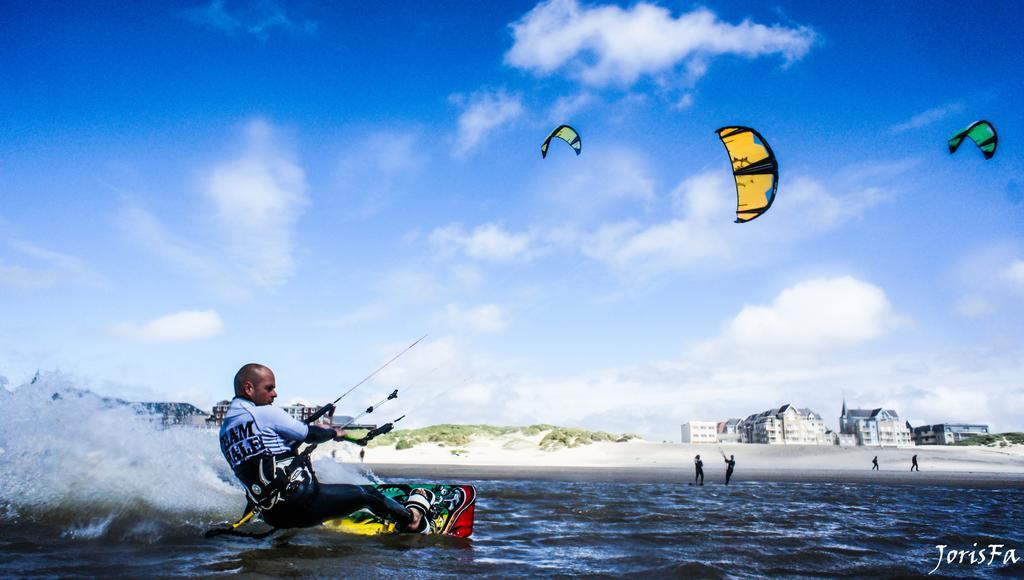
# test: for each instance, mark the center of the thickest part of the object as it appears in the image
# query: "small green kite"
(565, 133)
(982, 133)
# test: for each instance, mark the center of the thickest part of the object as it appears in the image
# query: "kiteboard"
(452, 510)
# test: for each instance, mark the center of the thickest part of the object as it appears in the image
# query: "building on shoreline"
(786, 425)
(728, 431)
(700, 432)
(174, 413)
(875, 427)
(947, 433)
(299, 411)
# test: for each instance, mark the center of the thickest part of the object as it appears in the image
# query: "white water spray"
(70, 457)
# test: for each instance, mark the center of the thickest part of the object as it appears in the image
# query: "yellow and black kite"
(565, 133)
(755, 169)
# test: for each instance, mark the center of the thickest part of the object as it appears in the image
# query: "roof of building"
(871, 413)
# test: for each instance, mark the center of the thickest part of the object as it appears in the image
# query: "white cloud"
(43, 268)
(653, 397)
(483, 113)
(810, 317)
(992, 283)
(704, 232)
(974, 307)
(605, 44)
(1014, 274)
(684, 102)
(369, 312)
(182, 326)
(486, 318)
(404, 290)
(488, 242)
(257, 198)
(564, 108)
(257, 18)
(378, 169)
(926, 118)
(605, 175)
(193, 257)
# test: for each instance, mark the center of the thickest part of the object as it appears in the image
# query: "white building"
(700, 432)
(947, 433)
(786, 425)
(875, 427)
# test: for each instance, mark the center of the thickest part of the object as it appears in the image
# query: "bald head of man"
(257, 383)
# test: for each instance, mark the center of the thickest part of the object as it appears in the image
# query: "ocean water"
(119, 496)
(532, 529)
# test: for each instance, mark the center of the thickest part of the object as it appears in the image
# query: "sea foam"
(71, 456)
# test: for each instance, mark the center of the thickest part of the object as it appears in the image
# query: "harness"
(289, 473)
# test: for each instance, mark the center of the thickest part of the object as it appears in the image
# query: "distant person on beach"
(699, 470)
(260, 443)
(731, 462)
(874, 464)
(913, 464)
(362, 455)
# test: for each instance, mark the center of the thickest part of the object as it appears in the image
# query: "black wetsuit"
(728, 470)
(874, 464)
(309, 506)
(259, 443)
(913, 464)
(699, 471)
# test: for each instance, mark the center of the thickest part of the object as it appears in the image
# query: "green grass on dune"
(994, 440)
(459, 435)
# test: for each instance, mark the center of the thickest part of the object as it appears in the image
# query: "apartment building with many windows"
(786, 425)
(875, 427)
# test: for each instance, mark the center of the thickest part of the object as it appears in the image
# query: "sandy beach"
(519, 457)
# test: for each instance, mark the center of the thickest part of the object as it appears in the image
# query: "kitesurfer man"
(731, 463)
(913, 464)
(259, 442)
(699, 470)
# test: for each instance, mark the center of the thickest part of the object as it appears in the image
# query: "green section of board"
(452, 511)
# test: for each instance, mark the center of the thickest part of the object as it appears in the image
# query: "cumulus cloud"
(257, 198)
(253, 201)
(483, 113)
(926, 118)
(702, 232)
(606, 44)
(486, 318)
(182, 326)
(812, 316)
(489, 242)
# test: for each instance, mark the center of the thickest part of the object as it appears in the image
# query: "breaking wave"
(97, 467)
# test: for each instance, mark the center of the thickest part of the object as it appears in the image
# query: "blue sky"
(185, 188)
